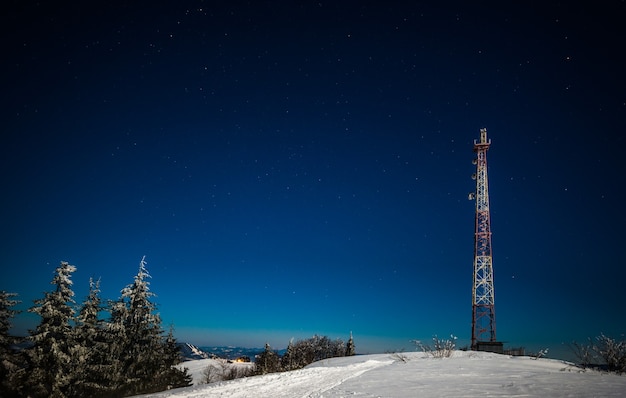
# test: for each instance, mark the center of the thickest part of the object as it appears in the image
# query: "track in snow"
(310, 382)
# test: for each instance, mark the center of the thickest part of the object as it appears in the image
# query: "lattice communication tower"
(483, 309)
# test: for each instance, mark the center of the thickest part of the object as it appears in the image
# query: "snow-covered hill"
(465, 374)
(191, 352)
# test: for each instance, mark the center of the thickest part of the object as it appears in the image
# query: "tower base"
(490, 346)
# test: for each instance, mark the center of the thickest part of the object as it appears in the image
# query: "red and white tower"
(483, 309)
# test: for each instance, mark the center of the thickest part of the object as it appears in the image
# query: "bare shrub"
(399, 357)
(225, 370)
(211, 374)
(604, 352)
(584, 354)
(441, 348)
(234, 371)
(230, 373)
(613, 353)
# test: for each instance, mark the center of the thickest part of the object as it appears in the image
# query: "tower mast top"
(484, 142)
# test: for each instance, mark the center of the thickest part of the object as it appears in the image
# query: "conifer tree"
(288, 360)
(138, 333)
(267, 362)
(49, 358)
(350, 349)
(115, 336)
(171, 376)
(91, 354)
(142, 356)
(8, 360)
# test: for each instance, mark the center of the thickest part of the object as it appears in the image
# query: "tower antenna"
(483, 308)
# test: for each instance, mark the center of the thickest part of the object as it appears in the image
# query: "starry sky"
(292, 168)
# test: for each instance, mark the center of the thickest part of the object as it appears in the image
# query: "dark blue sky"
(302, 167)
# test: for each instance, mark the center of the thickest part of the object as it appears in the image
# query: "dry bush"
(604, 352)
(441, 348)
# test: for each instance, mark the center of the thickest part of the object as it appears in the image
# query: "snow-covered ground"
(465, 374)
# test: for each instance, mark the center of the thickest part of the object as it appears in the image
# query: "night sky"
(292, 168)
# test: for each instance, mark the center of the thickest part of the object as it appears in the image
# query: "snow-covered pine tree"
(171, 376)
(323, 347)
(117, 338)
(141, 353)
(91, 354)
(8, 359)
(267, 362)
(49, 358)
(141, 337)
(350, 349)
(338, 348)
(288, 360)
(305, 351)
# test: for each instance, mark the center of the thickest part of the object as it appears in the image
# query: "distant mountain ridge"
(230, 352)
